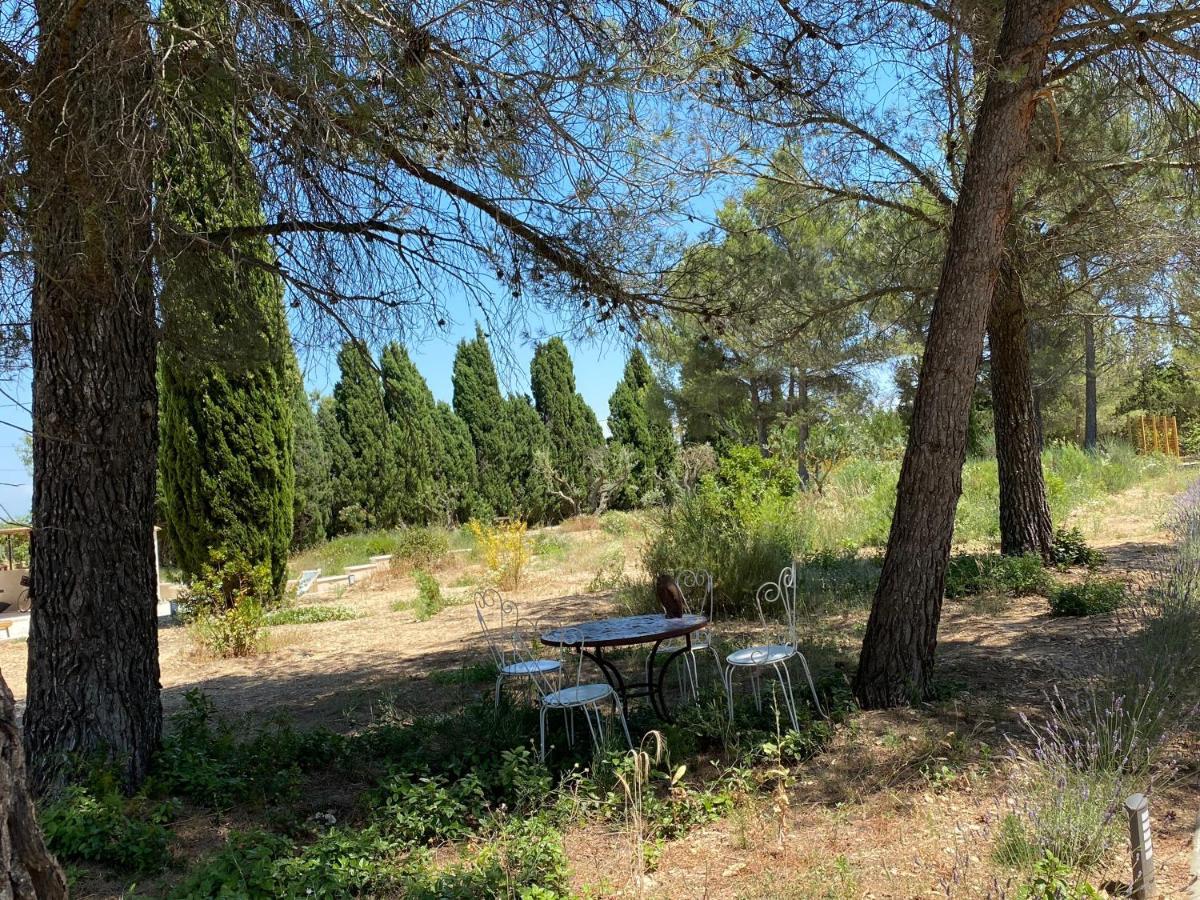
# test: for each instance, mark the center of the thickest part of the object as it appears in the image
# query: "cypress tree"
(639, 419)
(365, 468)
(479, 403)
(314, 488)
(456, 476)
(226, 372)
(524, 437)
(572, 429)
(411, 411)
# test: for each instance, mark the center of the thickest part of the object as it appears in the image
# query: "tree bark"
(898, 649)
(803, 429)
(1091, 430)
(93, 643)
(1025, 525)
(27, 868)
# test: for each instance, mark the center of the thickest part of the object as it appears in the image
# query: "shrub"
(224, 606)
(506, 550)
(94, 823)
(610, 575)
(551, 545)
(429, 596)
(1095, 596)
(974, 573)
(617, 523)
(308, 615)
(420, 548)
(429, 809)
(1070, 549)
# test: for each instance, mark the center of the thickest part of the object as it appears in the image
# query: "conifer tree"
(410, 410)
(314, 488)
(226, 373)
(524, 438)
(456, 476)
(365, 469)
(639, 419)
(572, 429)
(479, 403)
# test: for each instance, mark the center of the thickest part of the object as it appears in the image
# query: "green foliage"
(1095, 596)
(313, 496)
(571, 426)
(1052, 880)
(617, 524)
(429, 596)
(367, 486)
(422, 548)
(457, 483)
(974, 573)
(308, 615)
(639, 420)
(411, 411)
(739, 524)
(226, 379)
(480, 405)
(334, 555)
(1070, 549)
(224, 606)
(430, 809)
(93, 822)
(1166, 389)
(207, 760)
(469, 673)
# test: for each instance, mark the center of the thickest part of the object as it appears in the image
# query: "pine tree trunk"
(27, 869)
(1091, 435)
(898, 649)
(803, 428)
(93, 644)
(1025, 525)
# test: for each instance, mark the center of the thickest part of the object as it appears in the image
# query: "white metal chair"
(774, 655)
(510, 663)
(697, 589)
(587, 696)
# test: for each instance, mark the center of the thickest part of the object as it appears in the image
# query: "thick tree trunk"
(27, 869)
(803, 429)
(1091, 435)
(93, 644)
(897, 657)
(1025, 525)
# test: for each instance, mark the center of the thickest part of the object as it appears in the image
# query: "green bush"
(420, 548)
(550, 545)
(610, 575)
(95, 823)
(979, 573)
(430, 809)
(1070, 549)
(1095, 596)
(429, 596)
(224, 606)
(740, 524)
(308, 615)
(617, 523)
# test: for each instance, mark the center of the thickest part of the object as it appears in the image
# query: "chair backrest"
(696, 586)
(528, 647)
(782, 591)
(497, 620)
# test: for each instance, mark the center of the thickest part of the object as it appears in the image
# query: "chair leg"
(811, 686)
(728, 681)
(542, 729)
(587, 715)
(499, 685)
(785, 684)
(620, 710)
(756, 687)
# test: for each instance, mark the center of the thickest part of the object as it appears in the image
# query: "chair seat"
(532, 667)
(762, 655)
(581, 695)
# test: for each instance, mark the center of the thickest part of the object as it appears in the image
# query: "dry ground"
(903, 805)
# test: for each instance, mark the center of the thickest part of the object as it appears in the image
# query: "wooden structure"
(1154, 434)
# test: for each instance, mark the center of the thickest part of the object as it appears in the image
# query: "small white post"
(1142, 885)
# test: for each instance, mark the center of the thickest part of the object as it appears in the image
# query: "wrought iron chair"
(774, 655)
(697, 588)
(587, 696)
(510, 663)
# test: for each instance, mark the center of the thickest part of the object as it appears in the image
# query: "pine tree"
(479, 403)
(573, 432)
(226, 373)
(410, 410)
(456, 475)
(365, 469)
(639, 419)
(314, 487)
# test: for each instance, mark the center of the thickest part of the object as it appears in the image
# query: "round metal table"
(591, 639)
